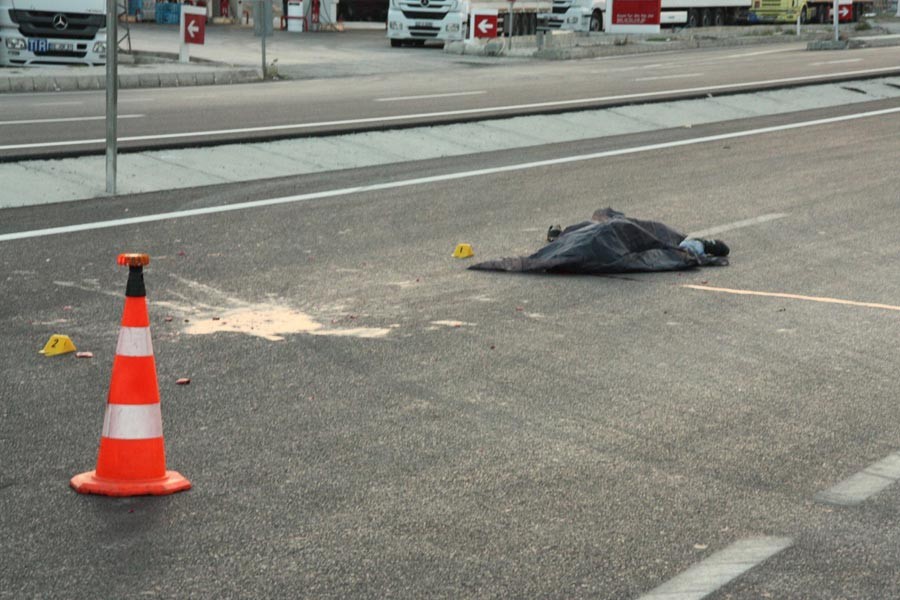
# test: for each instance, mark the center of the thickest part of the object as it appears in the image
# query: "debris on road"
(183, 381)
(84, 355)
(613, 243)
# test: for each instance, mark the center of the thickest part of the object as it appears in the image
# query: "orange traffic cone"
(132, 460)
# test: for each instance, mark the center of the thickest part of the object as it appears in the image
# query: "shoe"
(553, 232)
(715, 247)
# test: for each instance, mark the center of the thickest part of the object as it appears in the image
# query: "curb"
(71, 83)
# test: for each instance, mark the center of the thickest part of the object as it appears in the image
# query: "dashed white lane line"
(66, 120)
(705, 233)
(708, 288)
(718, 570)
(437, 178)
(836, 62)
(447, 113)
(429, 96)
(868, 482)
(680, 76)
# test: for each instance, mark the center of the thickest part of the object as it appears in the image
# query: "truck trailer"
(589, 15)
(52, 32)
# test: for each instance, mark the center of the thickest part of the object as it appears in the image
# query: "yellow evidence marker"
(463, 251)
(58, 344)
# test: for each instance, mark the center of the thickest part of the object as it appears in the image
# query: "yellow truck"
(808, 11)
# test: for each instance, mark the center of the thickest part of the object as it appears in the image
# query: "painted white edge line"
(868, 482)
(704, 233)
(681, 76)
(757, 53)
(429, 96)
(719, 569)
(435, 178)
(446, 113)
(66, 120)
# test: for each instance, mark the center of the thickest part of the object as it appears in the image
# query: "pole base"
(89, 483)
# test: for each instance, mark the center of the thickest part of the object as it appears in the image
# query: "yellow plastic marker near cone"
(58, 344)
(463, 251)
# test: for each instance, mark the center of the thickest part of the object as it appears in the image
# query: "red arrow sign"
(194, 28)
(485, 26)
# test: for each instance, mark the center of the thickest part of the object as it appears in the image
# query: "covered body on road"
(609, 243)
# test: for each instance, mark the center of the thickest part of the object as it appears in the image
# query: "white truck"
(420, 21)
(52, 32)
(590, 15)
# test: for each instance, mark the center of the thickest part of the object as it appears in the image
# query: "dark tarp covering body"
(609, 243)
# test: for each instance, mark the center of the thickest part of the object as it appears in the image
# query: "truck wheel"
(396, 43)
(705, 18)
(719, 17)
(693, 19)
(803, 16)
(597, 21)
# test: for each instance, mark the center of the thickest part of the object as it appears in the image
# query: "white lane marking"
(736, 225)
(822, 299)
(428, 96)
(73, 103)
(66, 120)
(435, 178)
(719, 569)
(445, 113)
(835, 62)
(757, 53)
(866, 483)
(680, 76)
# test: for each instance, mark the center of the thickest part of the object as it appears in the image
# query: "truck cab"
(419, 21)
(575, 15)
(52, 32)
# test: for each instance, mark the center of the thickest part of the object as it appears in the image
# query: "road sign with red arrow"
(484, 25)
(194, 28)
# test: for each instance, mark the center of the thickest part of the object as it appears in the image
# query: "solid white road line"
(437, 178)
(758, 53)
(719, 569)
(705, 233)
(445, 113)
(864, 484)
(66, 120)
(426, 97)
(681, 76)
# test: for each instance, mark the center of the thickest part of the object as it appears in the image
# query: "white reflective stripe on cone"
(134, 341)
(132, 421)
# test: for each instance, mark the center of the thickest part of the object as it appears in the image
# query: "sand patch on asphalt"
(273, 323)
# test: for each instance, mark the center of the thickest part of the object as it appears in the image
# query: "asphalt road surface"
(369, 419)
(64, 124)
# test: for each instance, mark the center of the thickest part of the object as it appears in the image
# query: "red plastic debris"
(520, 308)
(182, 381)
(84, 355)
(169, 319)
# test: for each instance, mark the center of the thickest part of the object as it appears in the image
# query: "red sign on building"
(194, 28)
(636, 12)
(484, 25)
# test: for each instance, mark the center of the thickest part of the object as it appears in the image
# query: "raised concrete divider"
(20, 80)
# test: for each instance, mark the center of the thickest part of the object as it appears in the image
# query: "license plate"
(423, 24)
(61, 47)
(38, 45)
